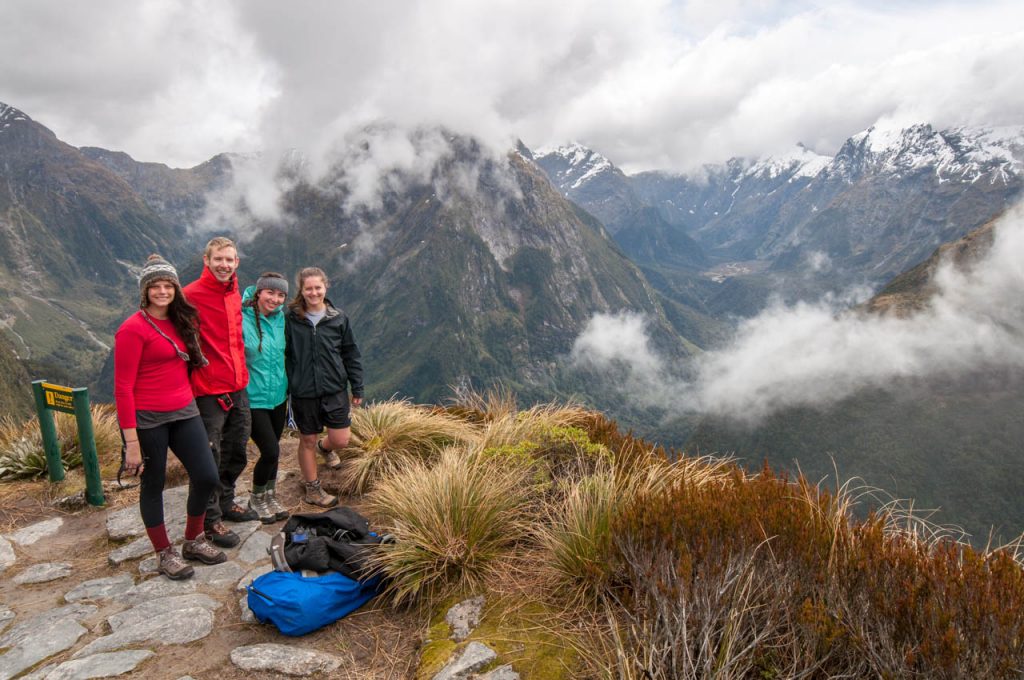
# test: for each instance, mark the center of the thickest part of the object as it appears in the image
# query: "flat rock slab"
(42, 636)
(36, 532)
(285, 659)
(464, 617)
(247, 616)
(255, 548)
(43, 573)
(244, 529)
(100, 588)
(218, 575)
(6, 616)
(253, 575)
(127, 522)
(139, 613)
(167, 621)
(501, 673)
(7, 556)
(104, 665)
(155, 588)
(475, 656)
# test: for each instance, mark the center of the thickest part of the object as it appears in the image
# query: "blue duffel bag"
(299, 604)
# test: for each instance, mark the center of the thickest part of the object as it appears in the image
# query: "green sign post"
(73, 400)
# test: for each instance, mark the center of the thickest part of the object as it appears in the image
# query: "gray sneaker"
(279, 510)
(315, 495)
(202, 550)
(172, 566)
(258, 503)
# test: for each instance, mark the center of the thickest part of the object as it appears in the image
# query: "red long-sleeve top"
(148, 373)
(220, 335)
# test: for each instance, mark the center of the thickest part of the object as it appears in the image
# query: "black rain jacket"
(324, 359)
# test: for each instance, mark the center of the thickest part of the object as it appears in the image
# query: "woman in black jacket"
(322, 362)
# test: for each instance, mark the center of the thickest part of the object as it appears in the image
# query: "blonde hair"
(298, 303)
(216, 243)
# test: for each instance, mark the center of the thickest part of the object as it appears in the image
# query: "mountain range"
(800, 224)
(486, 267)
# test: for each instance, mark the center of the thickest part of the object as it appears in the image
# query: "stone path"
(57, 623)
(80, 598)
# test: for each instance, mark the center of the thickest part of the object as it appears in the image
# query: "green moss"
(520, 634)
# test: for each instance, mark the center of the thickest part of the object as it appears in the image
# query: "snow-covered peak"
(8, 115)
(799, 162)
(581, 163)
(964, 153)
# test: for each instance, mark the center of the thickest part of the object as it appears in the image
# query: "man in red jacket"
(219, 387)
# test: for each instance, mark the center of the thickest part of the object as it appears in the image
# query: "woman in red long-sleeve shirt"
(153, 350)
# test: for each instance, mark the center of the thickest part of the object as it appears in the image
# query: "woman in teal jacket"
(263, 329)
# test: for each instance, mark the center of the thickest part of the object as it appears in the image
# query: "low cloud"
(814, 355)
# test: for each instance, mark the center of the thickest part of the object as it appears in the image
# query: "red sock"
(158, 537)
(194, 526)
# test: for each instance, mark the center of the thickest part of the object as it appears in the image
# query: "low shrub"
(760, 577)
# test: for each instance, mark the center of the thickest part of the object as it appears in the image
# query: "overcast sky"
(649, 83)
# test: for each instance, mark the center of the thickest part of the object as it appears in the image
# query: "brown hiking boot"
(170, 564)
(331, 459)
(220, 535)
(315, 495)
(202, 550)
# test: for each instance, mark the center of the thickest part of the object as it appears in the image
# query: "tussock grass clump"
(21, 444)
(577, 537)
(453, 520)
(388, 435)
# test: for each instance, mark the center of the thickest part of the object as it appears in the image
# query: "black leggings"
(267, 426)
(187, 439)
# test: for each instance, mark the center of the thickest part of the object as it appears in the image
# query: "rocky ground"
(79, 598)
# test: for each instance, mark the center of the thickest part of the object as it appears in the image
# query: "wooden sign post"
(73, 400)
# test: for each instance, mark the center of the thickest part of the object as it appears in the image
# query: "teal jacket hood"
(264, 354)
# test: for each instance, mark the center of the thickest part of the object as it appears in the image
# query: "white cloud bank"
(649, 83)
(808, 355)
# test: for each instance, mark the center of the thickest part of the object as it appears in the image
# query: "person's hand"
(133, 464)
(356, 401)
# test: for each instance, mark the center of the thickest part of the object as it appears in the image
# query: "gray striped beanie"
(155, 269)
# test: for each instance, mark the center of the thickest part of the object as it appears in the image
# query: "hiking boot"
(220, 535)
(202, 550)
(315, 495)
(331, 459)
(236, 513)
(170, 564)
(273, 506)
(258, 504)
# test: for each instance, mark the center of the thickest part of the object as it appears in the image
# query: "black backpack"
(336, 540)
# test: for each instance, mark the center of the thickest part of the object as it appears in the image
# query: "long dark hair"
(254, 303)
(185, 318)
(298, 303)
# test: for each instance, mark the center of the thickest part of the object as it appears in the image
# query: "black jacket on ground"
(324, 359)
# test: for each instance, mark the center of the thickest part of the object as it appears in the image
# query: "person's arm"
(352, 360)
(127, 356)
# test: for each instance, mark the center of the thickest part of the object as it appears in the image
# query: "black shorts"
(312, 414)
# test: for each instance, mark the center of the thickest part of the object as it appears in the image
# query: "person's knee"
(338, 439)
